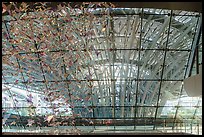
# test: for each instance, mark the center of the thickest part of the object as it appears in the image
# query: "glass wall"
(99, 69)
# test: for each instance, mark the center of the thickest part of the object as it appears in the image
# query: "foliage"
(35, 37)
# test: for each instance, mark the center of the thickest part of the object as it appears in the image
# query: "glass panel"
(175, 65)
(127, 32)
(151, 62)
(148, 93)
(182, 36)
(155, 31)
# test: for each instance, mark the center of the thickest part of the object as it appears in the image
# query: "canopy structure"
(104, 63)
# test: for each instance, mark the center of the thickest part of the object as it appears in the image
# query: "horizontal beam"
(110, 49)
(90, 80)
(107, 106)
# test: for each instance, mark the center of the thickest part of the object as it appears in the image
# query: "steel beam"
(194, 45)
(138, 72)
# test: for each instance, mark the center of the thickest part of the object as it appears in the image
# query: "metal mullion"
(106, 85)
(66, 79)
(92, 101)
(126, 25)
(111, 106)
(126, 14)
(197, 60)
(107, 34)
(135, 79)
(111, 33)
(91, 96)
(118, 49)
(92, 108)
(138, 67)
(122, 93)
(108, 81)
(159, 93)
(91, 82)
(15, 106)
(101, 88)
(195, 56)
(107, 54)
(99, 85)
(64, 66)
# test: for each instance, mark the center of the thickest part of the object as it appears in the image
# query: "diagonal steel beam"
(194, 46)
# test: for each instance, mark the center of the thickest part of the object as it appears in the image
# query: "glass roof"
(115, 63)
